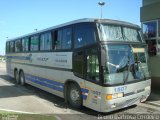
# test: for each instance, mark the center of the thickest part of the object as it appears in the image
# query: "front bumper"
(126, 101)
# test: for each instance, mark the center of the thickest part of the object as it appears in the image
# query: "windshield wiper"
(125, 77)
(126, 38)
(119, 38)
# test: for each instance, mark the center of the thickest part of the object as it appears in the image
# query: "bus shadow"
(154, 96)
(91, 112)
(9, 91)
(9, 88)
(60, 103)
(8, 79)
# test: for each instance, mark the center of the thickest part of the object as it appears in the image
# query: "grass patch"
(18, 116)
(35, 117)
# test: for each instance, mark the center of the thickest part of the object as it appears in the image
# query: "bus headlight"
(114, 96)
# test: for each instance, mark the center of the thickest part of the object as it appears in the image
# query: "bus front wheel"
(74, 95)
(22, 78)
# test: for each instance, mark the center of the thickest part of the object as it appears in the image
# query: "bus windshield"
(125, 63)
(110, 32)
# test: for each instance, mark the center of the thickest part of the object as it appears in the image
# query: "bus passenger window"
(7, 47)
(12, 48)
(42, 40)
(84, 35)
(78, 63)
(92, 65)
(59, 40)
(45, 41)
(25, 44)
(55, 35)
(34, 43)
(63, 38)
(48, 40)
(18, 46)
(67, 38)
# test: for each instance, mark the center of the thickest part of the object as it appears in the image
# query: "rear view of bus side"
(97, 63)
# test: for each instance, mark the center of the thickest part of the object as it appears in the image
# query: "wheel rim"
(22, 79)
(16, 74)
(75, 95)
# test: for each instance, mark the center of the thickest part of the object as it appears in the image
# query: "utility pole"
(6, 38)
(101, 4)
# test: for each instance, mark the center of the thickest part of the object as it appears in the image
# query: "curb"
(16, 111)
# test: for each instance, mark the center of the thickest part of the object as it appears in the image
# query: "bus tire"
(74, 95)
(22, 78)
(16, 76)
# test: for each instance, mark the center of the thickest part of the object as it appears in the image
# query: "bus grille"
(131, 102)
(131, 93)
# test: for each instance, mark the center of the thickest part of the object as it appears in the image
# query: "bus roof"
(107, 21)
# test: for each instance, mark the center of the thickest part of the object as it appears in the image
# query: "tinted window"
(18, 46)
(34, 43)
(25, 44)
(42, 40)
(12, 46)
(78, 63)
(7, 47)
(84, 35)
(45, 41)
(59, 39)
(92, 65)
(64, 38)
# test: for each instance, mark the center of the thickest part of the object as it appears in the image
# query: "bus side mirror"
(103, 57)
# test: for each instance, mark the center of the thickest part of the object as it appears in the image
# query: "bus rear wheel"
(74, 95)
(22, 78)
(16, 76)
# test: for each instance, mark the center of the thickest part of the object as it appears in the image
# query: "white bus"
(97, 63)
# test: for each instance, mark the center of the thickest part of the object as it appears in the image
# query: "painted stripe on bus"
(19, 57)
(84, 93)
(45, 82)
(46, 67)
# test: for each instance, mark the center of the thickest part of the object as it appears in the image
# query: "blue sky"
(19, 17)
